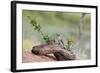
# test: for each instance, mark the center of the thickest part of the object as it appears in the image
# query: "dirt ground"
(28, 57)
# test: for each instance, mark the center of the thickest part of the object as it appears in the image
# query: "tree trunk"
(80, 27)
(60, 53)
(80, 30)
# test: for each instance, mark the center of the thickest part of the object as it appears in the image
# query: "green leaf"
(33, 22)
(39, 27)
(46, 38)
(35, 27)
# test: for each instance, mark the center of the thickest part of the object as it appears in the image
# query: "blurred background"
(67, 24)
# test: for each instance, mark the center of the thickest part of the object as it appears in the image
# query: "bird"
(60, 40)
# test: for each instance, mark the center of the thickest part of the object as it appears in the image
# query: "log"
(60, 53)
(29, 57)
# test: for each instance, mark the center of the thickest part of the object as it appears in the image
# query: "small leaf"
(36, 27)
(39, 27)
(33, 22)
(46, 38)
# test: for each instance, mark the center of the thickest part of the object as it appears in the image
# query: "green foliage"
(46, 38)
(38, 28)
(35, 25)
(33, 22)
(70, 43)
